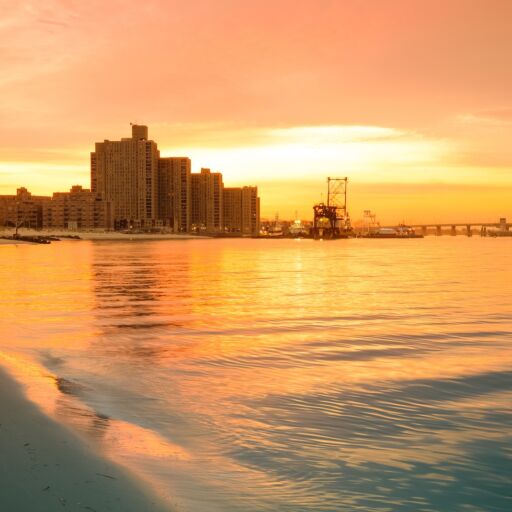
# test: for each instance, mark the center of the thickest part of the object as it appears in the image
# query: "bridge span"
(502, 227)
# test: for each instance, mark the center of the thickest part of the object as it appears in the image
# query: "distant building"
(133, 188)
(250, 211)
(125, 174)
(174, 193)
(22, 209)
(77, 209)
(232, 209)
(241, 210)
(206, 197)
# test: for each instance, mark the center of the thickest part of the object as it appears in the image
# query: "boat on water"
(297, 229)
(274, 230)
(373, 229)
(399, 232)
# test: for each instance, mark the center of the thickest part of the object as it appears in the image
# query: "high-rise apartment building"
(125, 174)
(241, 210)
(250, 211)
(77, 209)
(132, 187)
(206, 196)
(232, 209)
(174, 192)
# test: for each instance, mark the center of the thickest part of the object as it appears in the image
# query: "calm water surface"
(277, 375)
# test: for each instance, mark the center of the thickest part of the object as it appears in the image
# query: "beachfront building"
(250, 211)
(125, 174)
(22, 210)
(174, 193)
(133, 188)
(206, 197)
(232, 209)
(78, 209)
(241, 210)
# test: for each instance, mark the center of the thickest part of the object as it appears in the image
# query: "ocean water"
(277, 375)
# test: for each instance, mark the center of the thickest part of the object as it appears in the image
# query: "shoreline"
(100, 235)
(45, 467)
(5, 241)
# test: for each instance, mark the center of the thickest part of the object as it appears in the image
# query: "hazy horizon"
(410, 99)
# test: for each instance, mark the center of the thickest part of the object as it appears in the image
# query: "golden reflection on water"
(272, 360)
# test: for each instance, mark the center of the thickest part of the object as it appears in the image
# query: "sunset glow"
(409, 99)
(255, 255)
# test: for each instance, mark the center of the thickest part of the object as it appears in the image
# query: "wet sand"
(44, 467)
(4, 241)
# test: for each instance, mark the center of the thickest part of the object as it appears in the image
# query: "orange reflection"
(220, 346)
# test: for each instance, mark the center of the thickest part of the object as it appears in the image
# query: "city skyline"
(411, 100)
(133, 188)
(395, 197)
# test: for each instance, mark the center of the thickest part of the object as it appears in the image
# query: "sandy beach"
(99, 235)
(44, 467)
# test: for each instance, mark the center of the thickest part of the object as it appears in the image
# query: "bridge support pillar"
(454, 231)
(424, 230)
(439, 232)
(468, 230)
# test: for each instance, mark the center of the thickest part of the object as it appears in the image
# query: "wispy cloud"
(497, 116)
(260, 90)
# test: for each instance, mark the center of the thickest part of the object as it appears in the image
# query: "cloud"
(336, 134)
(497, 116)
(504, 114)
(237, 134)
(499, 160)
(260, 90)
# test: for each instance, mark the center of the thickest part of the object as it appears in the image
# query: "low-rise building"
(22, 210)
(78, 209)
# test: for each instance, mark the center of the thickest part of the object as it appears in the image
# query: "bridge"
(502, 226)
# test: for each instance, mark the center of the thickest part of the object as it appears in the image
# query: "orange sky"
(412, 100)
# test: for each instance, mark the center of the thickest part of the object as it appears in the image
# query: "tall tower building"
(206, 195)
(232, 209)
(250, 211)
(241, 208)
(174, 192)
(125, 173)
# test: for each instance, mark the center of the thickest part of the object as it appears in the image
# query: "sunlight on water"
(254, 375)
